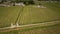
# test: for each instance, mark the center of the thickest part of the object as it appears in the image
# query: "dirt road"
(29, 25)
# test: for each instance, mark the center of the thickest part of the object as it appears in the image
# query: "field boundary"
(38, 24)
(45, 24)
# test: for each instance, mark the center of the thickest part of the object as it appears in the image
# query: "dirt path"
(29, 25)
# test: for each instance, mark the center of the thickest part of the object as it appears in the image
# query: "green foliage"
(36, 2)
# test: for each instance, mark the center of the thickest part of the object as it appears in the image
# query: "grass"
(8, 15)
(37, 15)
(31, 15)
(53, 6)
(54, 29)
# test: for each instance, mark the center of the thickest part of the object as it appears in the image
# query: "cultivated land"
(8, 15)
(31, 15)
(37, 15)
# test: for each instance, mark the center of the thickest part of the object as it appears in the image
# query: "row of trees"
(26, 1)
(17, 1)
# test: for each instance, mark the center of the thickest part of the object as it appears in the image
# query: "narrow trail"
(30, 25)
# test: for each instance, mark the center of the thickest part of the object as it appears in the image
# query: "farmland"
(37, 15)
(8, 15)
(31, 15)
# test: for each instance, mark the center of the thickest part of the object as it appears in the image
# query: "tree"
(36, 2)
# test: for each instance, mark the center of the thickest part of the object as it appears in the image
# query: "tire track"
(19, 14)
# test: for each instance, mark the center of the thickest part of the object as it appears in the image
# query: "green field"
(8, 15)
(31, 15)
(37, 15)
